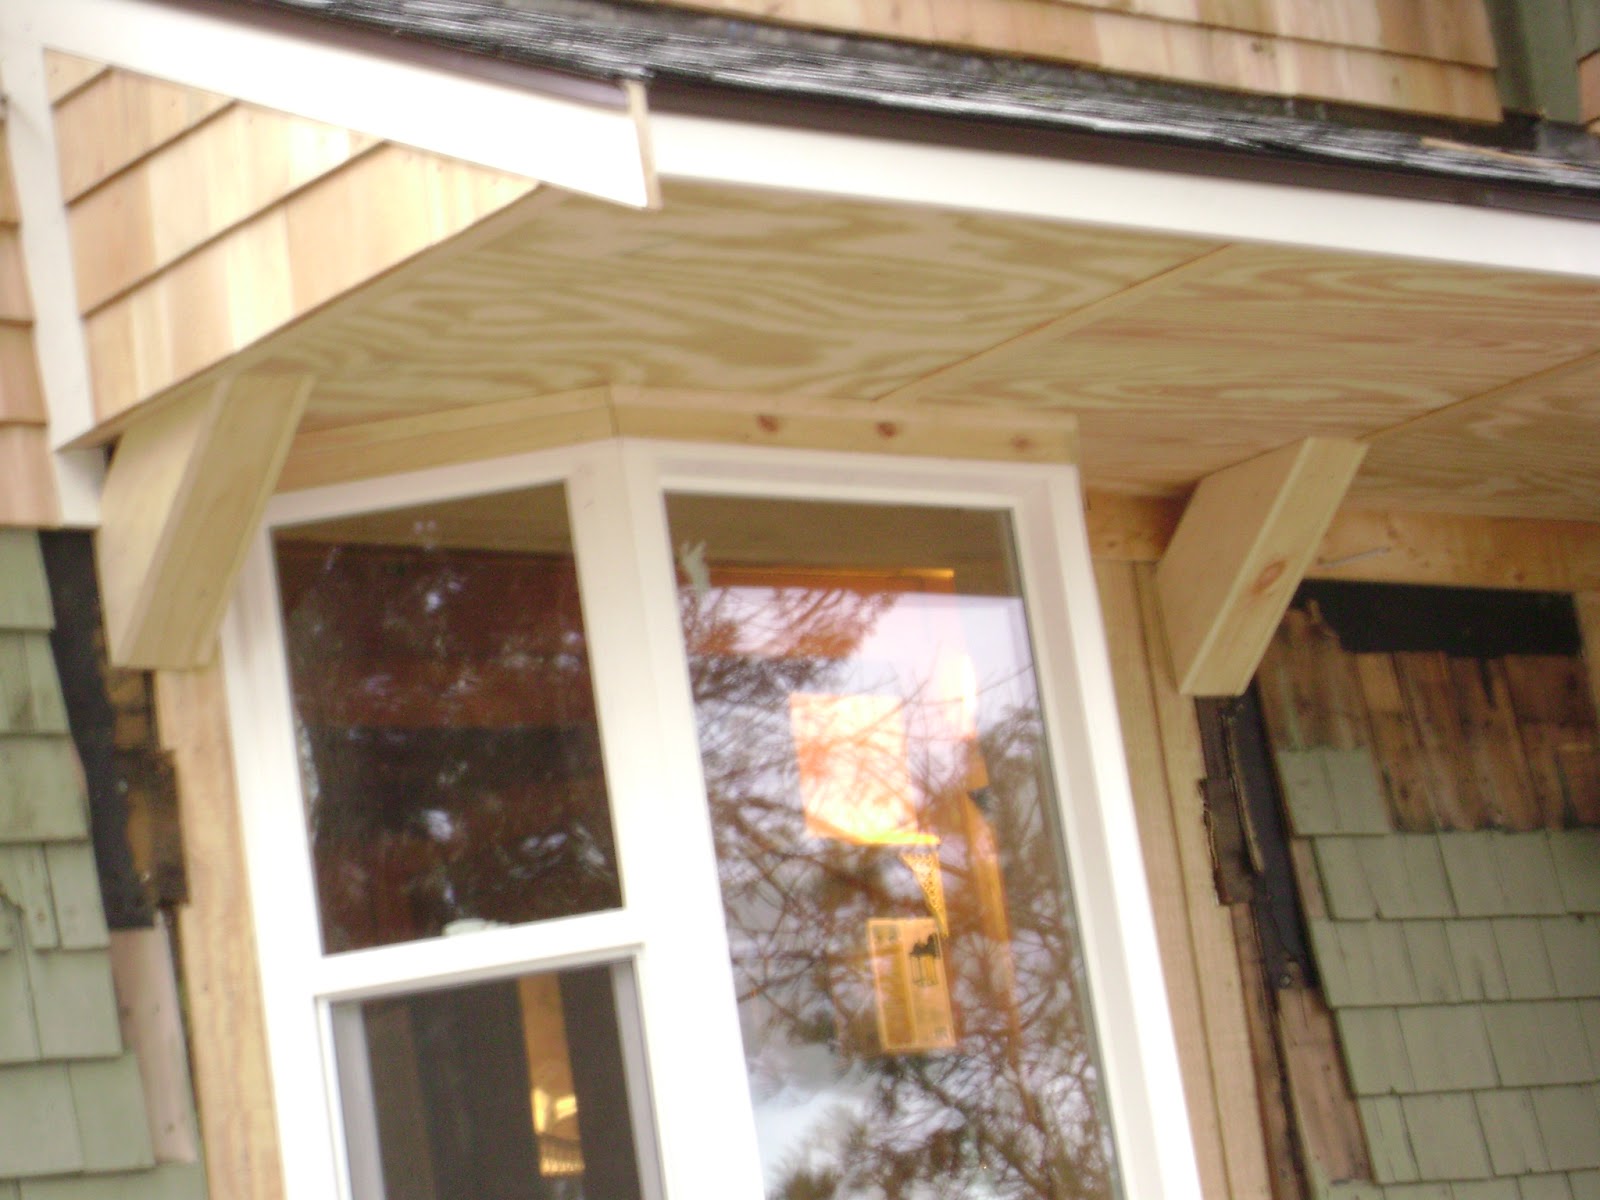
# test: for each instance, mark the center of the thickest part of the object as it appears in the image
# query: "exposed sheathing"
(27, 485)
(1453, 902)
(1423, 56)
(73, 1120)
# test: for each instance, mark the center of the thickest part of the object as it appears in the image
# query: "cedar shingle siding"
(1463, 971)
(73, 1124)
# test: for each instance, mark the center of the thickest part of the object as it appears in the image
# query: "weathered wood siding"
(1420, 56)
(200, 224)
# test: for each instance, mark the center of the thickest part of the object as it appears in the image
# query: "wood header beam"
(1240, 550)
(185, 490)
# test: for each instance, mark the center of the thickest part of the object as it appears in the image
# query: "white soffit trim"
(700, 148)
(590, 147)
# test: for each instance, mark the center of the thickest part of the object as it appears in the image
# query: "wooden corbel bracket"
(183, 495)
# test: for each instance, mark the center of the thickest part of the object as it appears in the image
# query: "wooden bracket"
(1244, 543)
(185, 491)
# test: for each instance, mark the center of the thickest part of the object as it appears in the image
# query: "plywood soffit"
(456, 435)
(1241, 549)
(184, 493)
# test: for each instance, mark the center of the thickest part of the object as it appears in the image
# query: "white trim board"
(706, 149)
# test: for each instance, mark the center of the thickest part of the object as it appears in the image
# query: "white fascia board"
(708, 149)
(590, 147)
(58, 340)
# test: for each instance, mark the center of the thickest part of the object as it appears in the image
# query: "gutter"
(708, 65)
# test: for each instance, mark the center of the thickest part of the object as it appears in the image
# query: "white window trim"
(695, 1111)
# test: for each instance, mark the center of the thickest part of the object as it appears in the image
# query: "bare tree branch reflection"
(1013, 1109)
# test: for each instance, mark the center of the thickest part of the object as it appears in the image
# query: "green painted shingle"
(19, 1041)
(41, 1132)
(1523, 954)
(1446, 1048)
(1569, 1123)
(1485, 1189)
(30, 694)
(1476, 956)
(75, 891)
(1359, 798)
(1418, 1191)
(25, 885)
(41, 791)
(1407, 876)
(1374, 1051)
(1573, 944)
(1387, 1140)
(1305, 793)
(1576, 853)
(74, 1005)
(1432, 963)
(1585, 1185)
(1446, 1139)
(1589, 1014)
(1511, 1129)
(24, 595)
(112, 1129)
(1544, 1187)
(1538, 1043)
(1344, 878)
(1496, 874)
(1363, 963)
(186, 1182)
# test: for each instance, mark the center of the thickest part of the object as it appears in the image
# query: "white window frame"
(694, 1119)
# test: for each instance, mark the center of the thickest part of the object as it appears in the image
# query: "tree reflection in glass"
(908, 970)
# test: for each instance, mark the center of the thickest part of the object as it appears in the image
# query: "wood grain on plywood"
(119, 117)
(192, 190)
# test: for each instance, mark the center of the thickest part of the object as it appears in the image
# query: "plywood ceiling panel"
(1180, 357)
(765, 293)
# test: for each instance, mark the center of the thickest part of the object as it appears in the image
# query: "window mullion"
(701, 1105)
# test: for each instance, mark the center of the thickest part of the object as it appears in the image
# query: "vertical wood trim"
(233, 1080)
(185, 491)
(1222, 1002)
(1119, 602)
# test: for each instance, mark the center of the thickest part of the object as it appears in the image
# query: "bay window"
(661, 821)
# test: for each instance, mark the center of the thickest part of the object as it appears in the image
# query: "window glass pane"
(508, 1090)
(909, 973)
(445, 719)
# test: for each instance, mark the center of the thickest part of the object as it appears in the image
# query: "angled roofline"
(710, 65)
